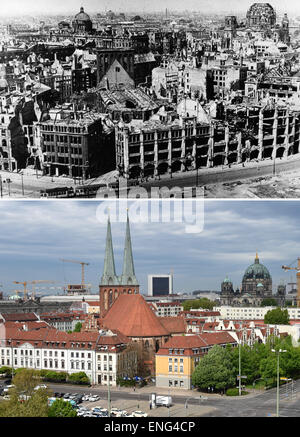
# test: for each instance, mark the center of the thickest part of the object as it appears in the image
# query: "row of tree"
(271, 302)
(202, 303)
(25, 401)
(218, 370)
(50, 375)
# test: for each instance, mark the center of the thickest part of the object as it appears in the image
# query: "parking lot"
(90, 405)
(128, 408)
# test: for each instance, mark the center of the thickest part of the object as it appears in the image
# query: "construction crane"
(298, 278)
(33, 288)
(17, 292)
(82, 268)
(25, 287)
(39, 282)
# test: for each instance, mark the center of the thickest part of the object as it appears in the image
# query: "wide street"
(256, 404)
(29, 185)
(237, 172)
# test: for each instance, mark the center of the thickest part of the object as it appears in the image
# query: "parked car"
(139, 413)
(43, 386)
(7, 388)
(125, 414)
(98, 414)
(93, 398)
(78, 399)
(67, 395)
(80, 413)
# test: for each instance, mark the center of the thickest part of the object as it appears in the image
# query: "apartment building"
(102, 355)
(251, 313)
(177, 358)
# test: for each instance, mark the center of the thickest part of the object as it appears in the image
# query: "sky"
(28, 7)
(36, 235)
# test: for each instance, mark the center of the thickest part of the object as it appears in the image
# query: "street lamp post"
(278, 354)
(240, 373)
(108, 391)
(22, 183)
(201, 398)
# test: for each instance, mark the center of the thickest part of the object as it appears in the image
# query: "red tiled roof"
(222, 337)
(210, 326)
(174, 325)
(198, 341)
(132, 316)
(28, 325)
(48, 338)
(19, 317)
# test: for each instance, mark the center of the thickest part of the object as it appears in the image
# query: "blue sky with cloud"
(35, 235)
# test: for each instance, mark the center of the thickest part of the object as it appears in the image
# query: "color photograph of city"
(127, 318)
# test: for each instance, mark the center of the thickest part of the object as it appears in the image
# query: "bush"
(126, 382)
(78, 378)
(4, 370)
(43, 373)
(61, 408)
(52, 376)
(234, 392)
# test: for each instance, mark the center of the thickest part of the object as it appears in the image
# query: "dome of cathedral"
(82, 16)
(261, 14)
(256, 271)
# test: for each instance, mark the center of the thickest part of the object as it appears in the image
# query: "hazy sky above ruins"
(21, 7)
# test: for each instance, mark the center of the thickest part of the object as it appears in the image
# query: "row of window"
(62, 139)
(66, 129)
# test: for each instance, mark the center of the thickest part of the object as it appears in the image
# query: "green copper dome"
(256, 271)
(227, 280)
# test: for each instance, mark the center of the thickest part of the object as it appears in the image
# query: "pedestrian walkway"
(148, 389)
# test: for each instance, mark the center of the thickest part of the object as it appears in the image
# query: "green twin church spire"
(109, 276)
(128, 275)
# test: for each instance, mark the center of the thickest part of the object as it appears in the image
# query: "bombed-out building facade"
(244, 134)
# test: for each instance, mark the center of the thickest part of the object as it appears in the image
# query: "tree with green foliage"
(277, 316)
(5, 370)
(52, 376)
(269, 302)
(249, 362)
(214, 370)
(24, 400)
(61, 408)
(202, 303)
(78, 378)
(78, 327)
